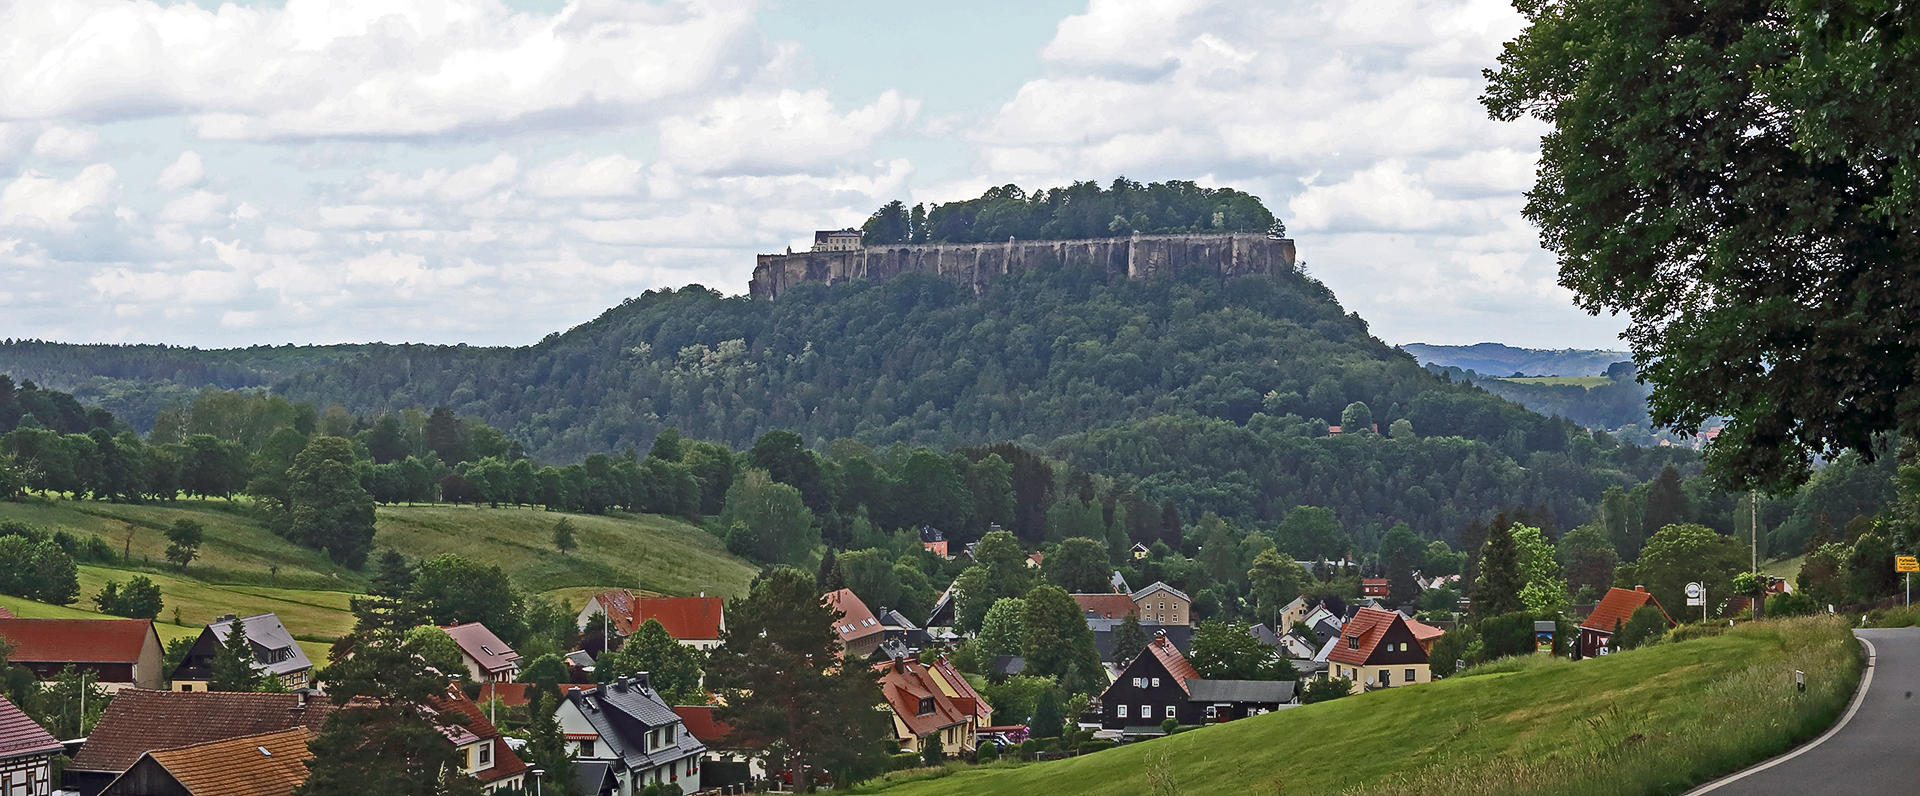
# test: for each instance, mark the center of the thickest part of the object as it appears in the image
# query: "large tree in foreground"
(1742, 178)
(785, 691)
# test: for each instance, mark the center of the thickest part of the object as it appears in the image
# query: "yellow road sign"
(1906, 563)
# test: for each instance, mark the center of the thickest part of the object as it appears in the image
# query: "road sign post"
(1907, 565)
(1697, 595)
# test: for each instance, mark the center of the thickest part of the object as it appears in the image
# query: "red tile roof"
(1176, 664)
(1424, 633)
(685, 618)
(1369, 624)
(906, 683)
(1107, 606)
(20, 737)
(617, 604)
(699, 720)
(965, 695)
(76, 640)
(139, 720)
(858, 622)
(483, 646)
(4, 613)
(1618, 606)
(272, 764)
(505, 762)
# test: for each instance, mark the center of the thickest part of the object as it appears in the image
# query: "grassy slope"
(1648, 721)
(310, 593)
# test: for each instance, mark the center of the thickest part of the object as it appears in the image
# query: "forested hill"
(1214, 394)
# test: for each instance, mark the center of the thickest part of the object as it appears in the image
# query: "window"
(186, 687)
(1146, 711)
(1120, 711)
(1353, 642)
(1156, 682)
(1169, 711)
(926, 705)
(486, 753)
(1138, 682)
(586, 748)
(1213, 711)
(667, 731)
(1410, 676)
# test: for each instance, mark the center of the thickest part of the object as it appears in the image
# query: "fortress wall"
(978, 264)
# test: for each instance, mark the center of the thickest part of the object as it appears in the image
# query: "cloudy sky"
(487, 171)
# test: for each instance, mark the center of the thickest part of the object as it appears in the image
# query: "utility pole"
(1753, 526)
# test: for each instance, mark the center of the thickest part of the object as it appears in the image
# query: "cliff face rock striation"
(977, 264)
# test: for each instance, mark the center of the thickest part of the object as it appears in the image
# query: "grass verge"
(1651, 721)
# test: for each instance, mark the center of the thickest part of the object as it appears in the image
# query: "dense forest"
(1080, 210)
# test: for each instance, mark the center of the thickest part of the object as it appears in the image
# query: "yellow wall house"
(1378, 650)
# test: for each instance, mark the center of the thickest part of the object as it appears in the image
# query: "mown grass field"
(1649, 721)
(1561, 381)
(246, 569)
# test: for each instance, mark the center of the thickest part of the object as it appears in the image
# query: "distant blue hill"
(1495, 359)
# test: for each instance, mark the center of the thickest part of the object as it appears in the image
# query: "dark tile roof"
(628, 706)
(593, 776)
(20, 737)
(1103, 642)
(1240, 690)
(138, 721)
(265, 630)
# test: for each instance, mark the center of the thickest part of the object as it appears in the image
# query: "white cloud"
(787, 132)
(40, 201)
(579, 176)
(199, 207)
(366, 67)
(66, 145)
(464, 185)
(187, 171)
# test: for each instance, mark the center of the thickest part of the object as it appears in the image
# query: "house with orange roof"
(270, 764)
(921, 707)
(860, 633)
(697, 622)
(1612, 612)
(724, 767)
(1424, 633)
(479, 750)
(1106, 606)
(956, 687)
(1377, 649)
(122, 653)
(1162, 684)
(488, 658)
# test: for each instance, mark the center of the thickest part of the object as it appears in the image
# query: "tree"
(1219, 555)
(768, 521)
(546, 747)
(1501, 580)
(563, 535)
(1588, 557)
(672, 668)
(931, 752)
(387, 440)
(1870, 574)
(452, 589)
(1273, 582)
(184, 540)
(1229, 651)
(140, 599)
(327, 508)
(1129, 640)
(38, 570)
(1312, 533)
(386, 738)
(1005, 628)
(1047, 719)
(1779, 187)
(446, 436)
(437, 650)
(1679, 554)
(1402, 551)
(1080, 566)
(1356, 418)
(232, 665)
(666, 445)
(392, 577)
(1401, 429)
(782, 686)
(1644, 626)
(544, 675)
(1058, 642)
(1667, 501)
(831, 577)
(1545, 592)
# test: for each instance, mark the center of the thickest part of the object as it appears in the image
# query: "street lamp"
(536, 781)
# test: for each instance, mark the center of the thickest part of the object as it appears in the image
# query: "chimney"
(1640, 588)
(642, 680)
(899, 666)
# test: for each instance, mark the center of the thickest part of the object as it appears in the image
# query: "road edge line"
(1859, 697)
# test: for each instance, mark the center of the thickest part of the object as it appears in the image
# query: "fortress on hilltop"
(977, 264)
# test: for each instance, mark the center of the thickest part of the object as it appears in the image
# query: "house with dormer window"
(627, 725)
(488, 658)
(1161, 684)
(859, 631)
(1377, 649)
(932, 699)
(274, 653)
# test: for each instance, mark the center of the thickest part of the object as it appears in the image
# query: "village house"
(836, 240)
(697, 622)
(274, 653)
(1140, 551)
(26, 754)
(270, 764)
(1378, 650)
(1161, 684)
(478, 748)
(120, 653)
(628, 725)
(859, 632)
(488, 659)
(1374, 587)
(921, 706)
(932, 540)
(1106, 606)
(723, 767)
(1164, 605)
(1613, 611)
(139, 721)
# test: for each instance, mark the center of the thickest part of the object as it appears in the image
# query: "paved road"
(1877, 752)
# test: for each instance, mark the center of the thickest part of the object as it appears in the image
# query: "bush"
(903, 761)
(1095, 746)
(1505, 635)
(1690, 632)
(1169, 726)
(1324, 690)
(987, 753)
(1786, 604)
(1646, 626)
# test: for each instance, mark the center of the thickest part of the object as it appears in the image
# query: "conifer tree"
(1129, 640)
(1498, 590)
(233, 663)
(386, 740)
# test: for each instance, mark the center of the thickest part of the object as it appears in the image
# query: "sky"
(487, 172)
